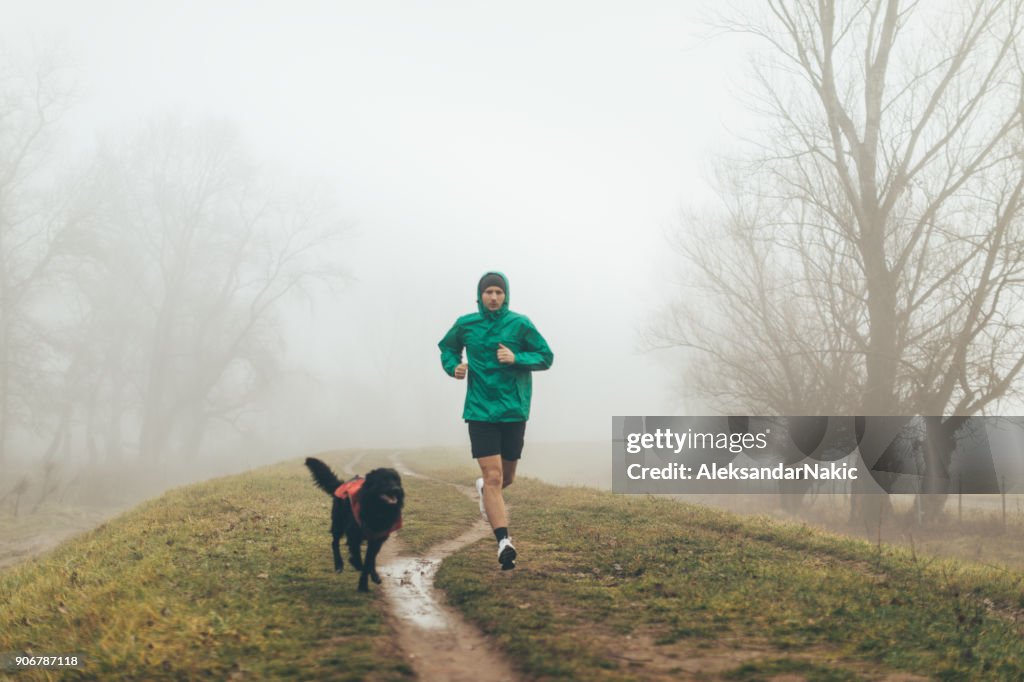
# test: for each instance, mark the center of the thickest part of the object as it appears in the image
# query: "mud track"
(436, 640)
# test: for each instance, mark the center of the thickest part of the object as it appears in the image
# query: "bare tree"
(868, 255)
(35, 219)
(195, 252)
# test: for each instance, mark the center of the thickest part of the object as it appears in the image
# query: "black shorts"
(497, 438)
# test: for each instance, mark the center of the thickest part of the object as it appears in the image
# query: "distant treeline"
(141, 284)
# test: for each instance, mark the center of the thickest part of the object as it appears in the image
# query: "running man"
(503, 348)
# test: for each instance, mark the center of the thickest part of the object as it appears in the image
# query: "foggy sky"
(556, 142)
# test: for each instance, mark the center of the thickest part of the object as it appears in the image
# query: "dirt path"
(438, 642)
(441, 645)
(32, 536)
(16, 550)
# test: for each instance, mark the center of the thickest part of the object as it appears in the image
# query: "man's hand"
(505, 356)
(461, 370)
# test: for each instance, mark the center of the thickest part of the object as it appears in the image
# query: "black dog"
(364, 509)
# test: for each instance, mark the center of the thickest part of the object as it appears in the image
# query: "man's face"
(493, 298)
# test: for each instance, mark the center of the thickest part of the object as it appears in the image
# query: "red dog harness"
(349, 490)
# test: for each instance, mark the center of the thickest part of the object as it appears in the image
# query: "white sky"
(553, 141)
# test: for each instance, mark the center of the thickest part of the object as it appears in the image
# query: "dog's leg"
(339, 565)
(354, 539)
(370, 564)
(339, 512)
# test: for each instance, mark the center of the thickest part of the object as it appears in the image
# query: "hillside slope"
(232, 579)
(616, 587)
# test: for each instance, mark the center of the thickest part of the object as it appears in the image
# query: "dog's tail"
(322, 475)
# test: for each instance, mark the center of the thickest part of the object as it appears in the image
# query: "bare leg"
(508, 472)
(494, 503)
(508, 475)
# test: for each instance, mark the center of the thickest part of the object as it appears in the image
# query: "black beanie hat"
(491, 279)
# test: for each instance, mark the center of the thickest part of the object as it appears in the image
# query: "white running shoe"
(480, 495)
(506, 554)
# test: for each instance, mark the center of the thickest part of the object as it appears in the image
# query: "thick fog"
(554, 142)
(234, 232)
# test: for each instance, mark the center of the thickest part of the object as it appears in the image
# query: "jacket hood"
(504, 306)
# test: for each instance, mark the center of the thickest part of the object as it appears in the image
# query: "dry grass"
(598, 570)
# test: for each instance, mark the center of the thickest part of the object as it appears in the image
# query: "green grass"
(766, 669)
(230, 576)
(599, 571)
(233, 577)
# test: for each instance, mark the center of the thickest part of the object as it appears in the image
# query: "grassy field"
(616, 587)
(232, 577)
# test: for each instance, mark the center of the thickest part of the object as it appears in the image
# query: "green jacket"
(496, 392)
